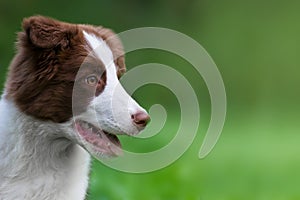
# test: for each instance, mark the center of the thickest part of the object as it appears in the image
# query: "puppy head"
(69, 72)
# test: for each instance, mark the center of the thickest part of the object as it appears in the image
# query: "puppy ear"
(45, 32)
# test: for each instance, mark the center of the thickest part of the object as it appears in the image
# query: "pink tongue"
(100, 141)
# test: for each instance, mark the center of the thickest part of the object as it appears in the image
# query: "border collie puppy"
(62, 102)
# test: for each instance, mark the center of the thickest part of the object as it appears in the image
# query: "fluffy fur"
(53, 116)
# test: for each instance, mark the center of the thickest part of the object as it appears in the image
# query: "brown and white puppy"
(62, 98)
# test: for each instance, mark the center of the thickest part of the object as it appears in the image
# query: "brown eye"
(92, 80)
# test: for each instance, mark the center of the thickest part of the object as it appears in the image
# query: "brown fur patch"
(42, 74)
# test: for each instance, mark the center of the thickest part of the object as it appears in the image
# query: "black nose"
(140, 119)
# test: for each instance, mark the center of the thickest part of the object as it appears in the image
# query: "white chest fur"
(35, 163)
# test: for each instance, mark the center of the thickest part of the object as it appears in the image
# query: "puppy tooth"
(85, 125)
(99, 134)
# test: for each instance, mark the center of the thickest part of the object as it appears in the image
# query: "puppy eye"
(92, 80)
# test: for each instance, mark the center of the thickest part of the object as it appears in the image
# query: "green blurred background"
(255, 45)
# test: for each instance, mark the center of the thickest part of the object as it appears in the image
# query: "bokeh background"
(256, 46)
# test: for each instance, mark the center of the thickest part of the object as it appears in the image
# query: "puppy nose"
(140, 119)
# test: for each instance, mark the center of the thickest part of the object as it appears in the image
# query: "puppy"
(62, 102)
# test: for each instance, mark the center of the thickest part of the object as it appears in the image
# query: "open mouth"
(102, 142)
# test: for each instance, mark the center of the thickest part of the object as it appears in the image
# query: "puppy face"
(68, 74)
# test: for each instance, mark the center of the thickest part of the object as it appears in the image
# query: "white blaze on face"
(113, 107)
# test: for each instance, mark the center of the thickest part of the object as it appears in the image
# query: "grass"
(255, 45)
(252, 160)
